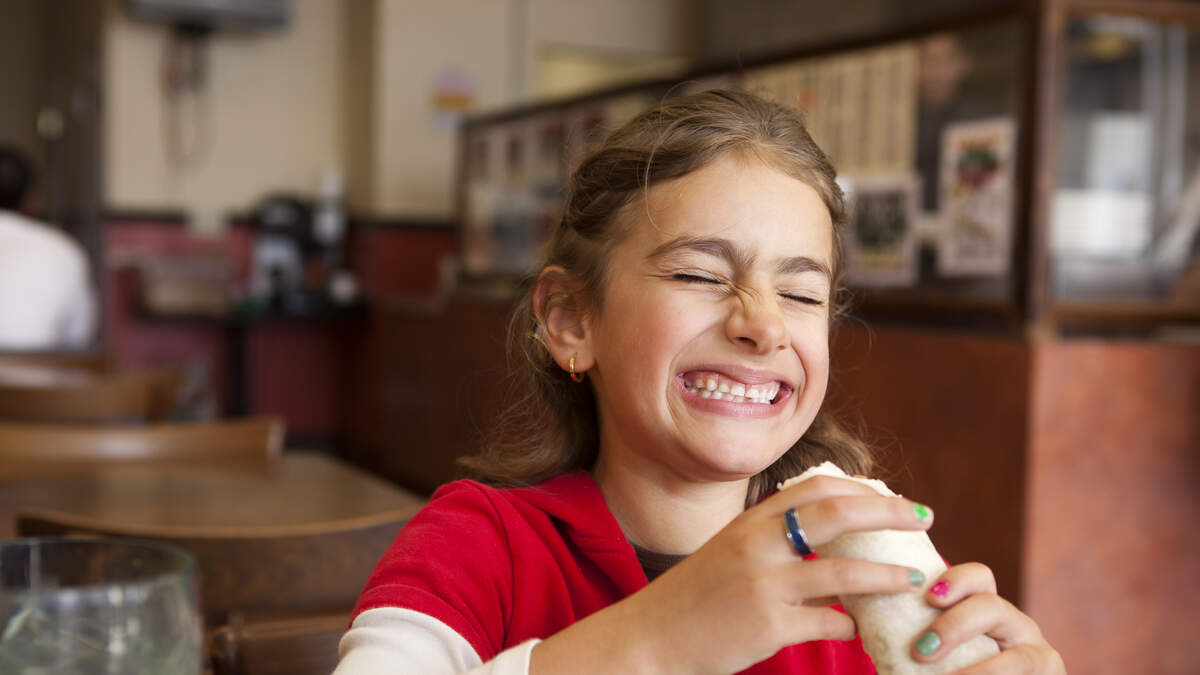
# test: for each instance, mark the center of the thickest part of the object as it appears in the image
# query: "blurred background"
(322, 212)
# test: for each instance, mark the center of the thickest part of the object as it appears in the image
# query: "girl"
(676, 347)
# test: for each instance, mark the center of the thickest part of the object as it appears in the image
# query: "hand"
(745, 594)
(968, 594)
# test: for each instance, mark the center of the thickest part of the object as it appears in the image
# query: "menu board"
(860, 107)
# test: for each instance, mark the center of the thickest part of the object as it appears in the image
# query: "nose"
(757, 323)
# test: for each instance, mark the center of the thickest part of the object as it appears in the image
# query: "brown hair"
(550, 426)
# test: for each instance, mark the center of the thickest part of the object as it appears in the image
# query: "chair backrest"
(136, 396)
(322, 566)
(35, 449)
(301, 645)
(95, 363)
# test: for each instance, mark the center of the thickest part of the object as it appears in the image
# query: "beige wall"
(497, 44)
(417, 39)
(273, 107)
(349, 85)
(632, 27)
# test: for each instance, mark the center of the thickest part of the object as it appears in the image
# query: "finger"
(818, 623)
(1023, 659)
(843, 576)
(830, 518)
(959, 582)
(979, 614)
(823, 601)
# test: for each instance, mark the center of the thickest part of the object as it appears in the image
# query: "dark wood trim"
(367, 222)
(164, 217)
(977, 16)
(1024, 230)
(1051, 19)
(1155, 10)
(180, 218)
(1125, 313)
(944, 309)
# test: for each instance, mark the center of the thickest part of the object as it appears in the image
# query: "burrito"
(888, 624)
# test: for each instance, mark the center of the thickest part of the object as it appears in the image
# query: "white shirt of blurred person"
(46, 298)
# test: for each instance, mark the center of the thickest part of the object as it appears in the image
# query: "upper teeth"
(712, 385)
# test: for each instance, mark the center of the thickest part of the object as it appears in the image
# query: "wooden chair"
(47, 369)
(136, 396)
(34, 449)
(310, 568)
(95, 363)
(299, 645)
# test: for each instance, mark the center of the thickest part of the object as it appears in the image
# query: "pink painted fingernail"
(940, 589)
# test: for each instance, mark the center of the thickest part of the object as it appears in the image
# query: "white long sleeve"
(393, 640)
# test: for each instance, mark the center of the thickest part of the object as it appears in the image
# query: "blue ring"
(795, 534)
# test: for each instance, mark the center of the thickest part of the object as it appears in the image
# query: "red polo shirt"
(502, 566)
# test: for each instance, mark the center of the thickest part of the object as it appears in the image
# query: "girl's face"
(711, 346)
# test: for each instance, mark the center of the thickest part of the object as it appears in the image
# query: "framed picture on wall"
(881, 249)
(976, 200)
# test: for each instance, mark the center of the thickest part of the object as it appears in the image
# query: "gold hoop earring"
(575, 377)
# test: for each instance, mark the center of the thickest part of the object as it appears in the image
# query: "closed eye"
(802, 299)
(694, 278)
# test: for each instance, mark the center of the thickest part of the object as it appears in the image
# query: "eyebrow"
(737, 257)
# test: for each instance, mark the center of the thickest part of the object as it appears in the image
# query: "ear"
(560, 304)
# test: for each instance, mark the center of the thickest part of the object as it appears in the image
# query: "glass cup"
(97, 606)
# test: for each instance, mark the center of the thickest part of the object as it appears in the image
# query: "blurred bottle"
(329, 232)
(329, 218)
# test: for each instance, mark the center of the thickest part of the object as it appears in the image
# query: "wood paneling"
(401, 261)
(429, 387)
(946, 414)
(1112, 560)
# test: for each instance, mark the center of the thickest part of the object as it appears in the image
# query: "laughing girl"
(675, 350)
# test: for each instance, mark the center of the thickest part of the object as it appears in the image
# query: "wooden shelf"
(1128, 313)
(937, 307)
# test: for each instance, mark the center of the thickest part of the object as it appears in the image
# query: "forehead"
(742, 199)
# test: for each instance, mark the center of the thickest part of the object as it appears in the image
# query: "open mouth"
(719, 387)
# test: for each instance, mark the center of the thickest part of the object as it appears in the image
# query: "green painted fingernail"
(922, 511)
(929, 643)
(916, 577)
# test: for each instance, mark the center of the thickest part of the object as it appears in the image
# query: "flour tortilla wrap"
(889, 624)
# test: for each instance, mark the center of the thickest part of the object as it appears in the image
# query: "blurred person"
(943, 64)
(46, 298)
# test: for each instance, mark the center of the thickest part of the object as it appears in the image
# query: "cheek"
(651, 349)
(814, 356)
(639, 337)
(818, 378)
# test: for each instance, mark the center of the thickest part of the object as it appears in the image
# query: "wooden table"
(302, 491)
(302, 488)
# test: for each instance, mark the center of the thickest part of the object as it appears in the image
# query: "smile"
(720, 387)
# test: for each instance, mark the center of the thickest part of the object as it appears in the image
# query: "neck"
(664, 512)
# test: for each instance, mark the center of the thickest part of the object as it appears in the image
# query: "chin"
(733, 462)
